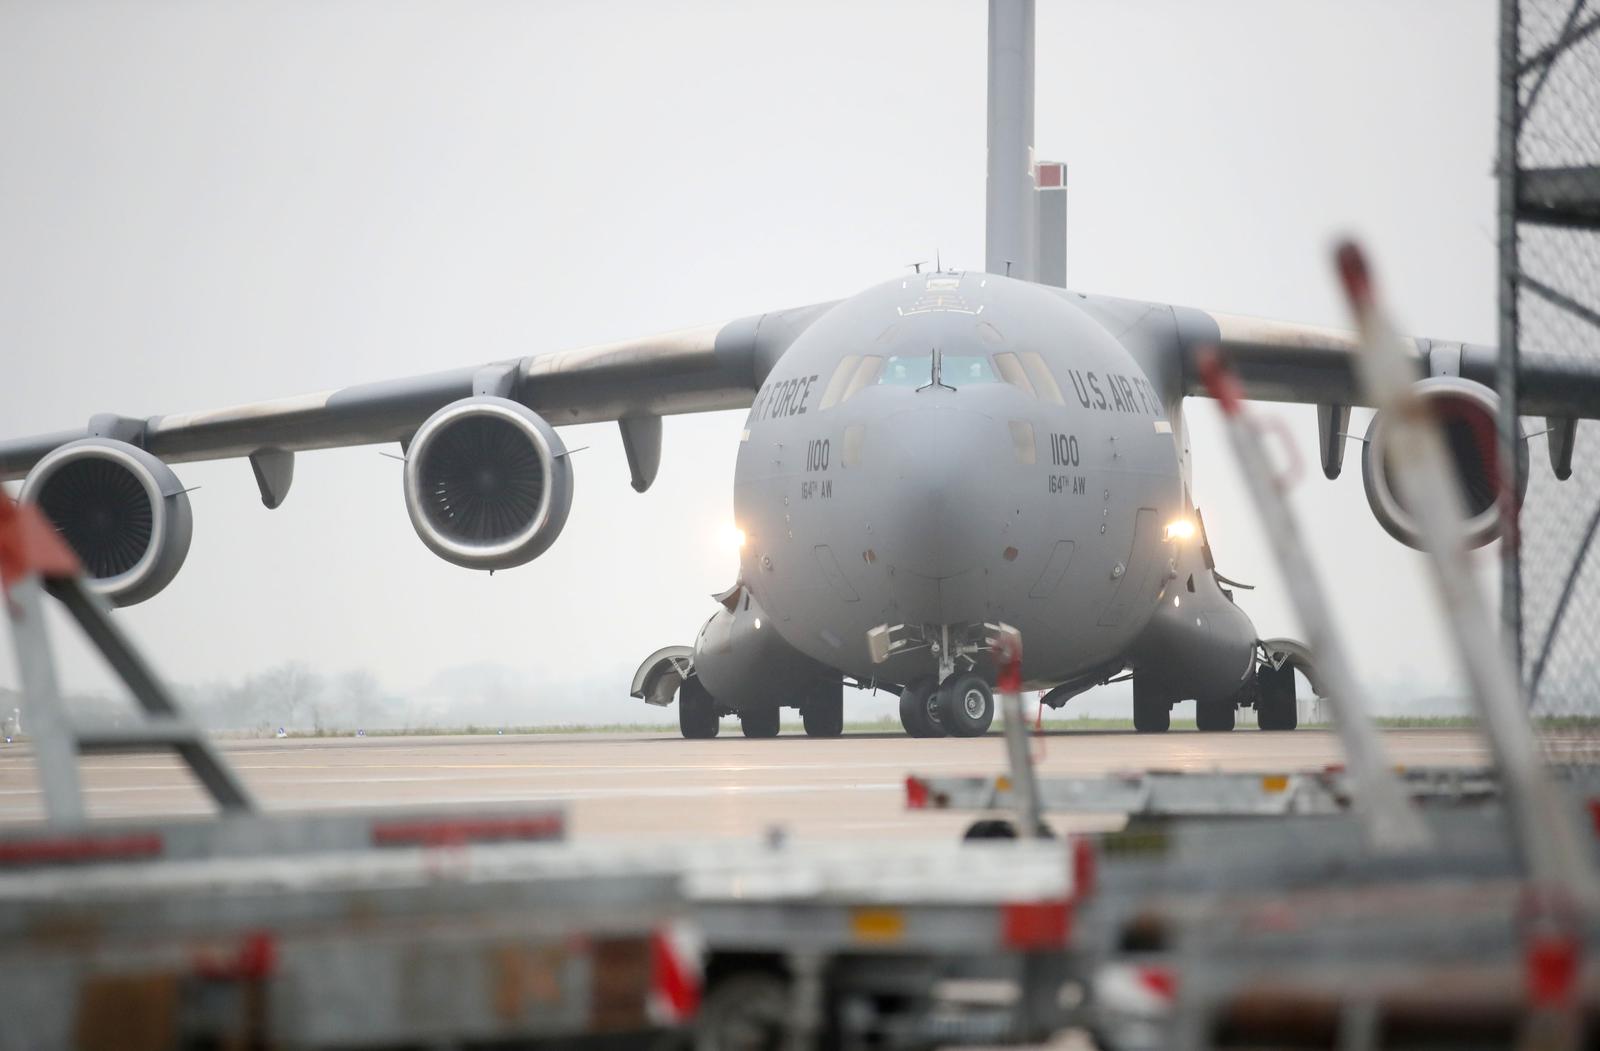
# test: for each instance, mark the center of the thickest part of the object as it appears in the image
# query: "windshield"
(916, 370)
(856, 372)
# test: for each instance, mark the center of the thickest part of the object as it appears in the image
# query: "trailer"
(465, 928)
(1155, 794)
(396, 929)
(901, 945)
(460, 928)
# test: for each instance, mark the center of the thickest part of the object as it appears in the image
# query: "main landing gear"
(1152, 710)
(697, 712)
(1271, 692)
(1275, 707)
(823, 714)
(700, 716)
(963, 706)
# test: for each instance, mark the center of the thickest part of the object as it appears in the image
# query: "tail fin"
(1012, 229)
(1027, 202)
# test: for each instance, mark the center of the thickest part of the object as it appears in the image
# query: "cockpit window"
(856, 372)
(836, 384)
(853, 372)
(959, 369)
(1012, 372)
(955, 370)
(1043, 382)
(906, 370)
(866, 372)
(1029, 374)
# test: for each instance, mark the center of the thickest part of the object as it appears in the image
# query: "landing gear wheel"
(919, 708)
(1275, 704)
(1152, 712)
(990, 828)
(823, 714)
(697, 712)
(744, 1012)
(1001, 828)
(761, 721)
(1214, 716)
(966, 705)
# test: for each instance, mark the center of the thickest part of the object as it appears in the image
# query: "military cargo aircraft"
(946, 452)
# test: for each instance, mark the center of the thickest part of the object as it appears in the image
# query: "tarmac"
(643, 786)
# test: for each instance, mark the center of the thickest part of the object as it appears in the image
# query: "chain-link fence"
(1550, 228)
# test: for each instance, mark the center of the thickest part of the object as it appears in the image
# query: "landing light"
(1180, 529)
(733, 536)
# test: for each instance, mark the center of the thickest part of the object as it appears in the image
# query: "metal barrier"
(35, 562)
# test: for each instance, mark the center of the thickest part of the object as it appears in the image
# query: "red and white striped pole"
(1386, 813)
(32, 552)
(1007, 649)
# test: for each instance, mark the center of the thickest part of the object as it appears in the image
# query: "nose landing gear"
(966, 705)
(955, 703)
(962, 707)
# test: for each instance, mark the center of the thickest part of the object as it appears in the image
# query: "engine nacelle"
(1467, 412)
(488, 483)
(120, 509)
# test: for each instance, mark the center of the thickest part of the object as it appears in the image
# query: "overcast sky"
(204, 204)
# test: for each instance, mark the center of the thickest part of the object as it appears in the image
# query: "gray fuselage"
(1031, 484)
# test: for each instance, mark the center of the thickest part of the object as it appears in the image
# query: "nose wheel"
(962, 707)
(966, 705)
(919, 708)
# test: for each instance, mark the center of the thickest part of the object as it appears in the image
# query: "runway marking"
(107, 788)
(512, 792)
(631, 787)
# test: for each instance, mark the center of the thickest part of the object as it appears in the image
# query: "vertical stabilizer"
(1011, 231)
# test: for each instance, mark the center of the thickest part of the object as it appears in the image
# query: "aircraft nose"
(941, 507)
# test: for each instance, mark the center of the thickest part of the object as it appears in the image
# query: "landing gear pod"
(123, 512)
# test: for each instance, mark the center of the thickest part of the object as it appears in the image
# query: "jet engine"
(1467, 413)
(488, 483)
(120, 509)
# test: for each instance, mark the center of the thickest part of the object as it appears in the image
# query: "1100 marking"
(1064, 450)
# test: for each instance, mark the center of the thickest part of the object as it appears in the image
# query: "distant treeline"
(305, 701)
(289, 695)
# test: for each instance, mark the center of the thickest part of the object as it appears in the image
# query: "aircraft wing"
(1284, 361)
(693, 370)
